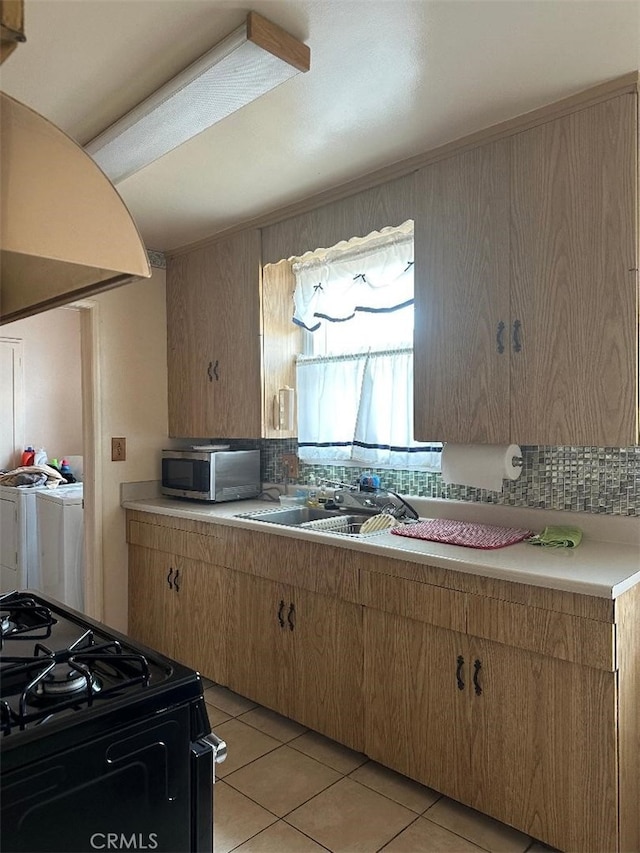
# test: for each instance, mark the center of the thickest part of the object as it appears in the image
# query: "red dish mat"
(485, 536)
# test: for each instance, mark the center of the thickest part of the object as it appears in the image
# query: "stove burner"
(23, 618)
(42, 685)
(65, 682)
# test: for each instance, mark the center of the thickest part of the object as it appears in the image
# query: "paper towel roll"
(482, 465)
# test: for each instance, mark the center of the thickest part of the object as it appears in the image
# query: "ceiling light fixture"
(248, 63)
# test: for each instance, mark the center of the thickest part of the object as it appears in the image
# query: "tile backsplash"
(580, 479)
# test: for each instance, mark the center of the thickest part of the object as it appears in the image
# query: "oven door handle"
(218, 745)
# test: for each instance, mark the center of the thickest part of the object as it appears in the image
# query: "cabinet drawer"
(422, 602)
(301, 564)
(547, 632)
(184, 543)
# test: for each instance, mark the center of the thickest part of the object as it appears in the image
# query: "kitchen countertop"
(605, 564)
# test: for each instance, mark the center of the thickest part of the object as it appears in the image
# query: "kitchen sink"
(314, 518)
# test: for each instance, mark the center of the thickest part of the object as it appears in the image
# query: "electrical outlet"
(118, 449)
(290, 466)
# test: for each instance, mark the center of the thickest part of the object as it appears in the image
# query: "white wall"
(52, 381)
(133, 380)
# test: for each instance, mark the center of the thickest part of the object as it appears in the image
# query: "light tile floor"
(285, 789)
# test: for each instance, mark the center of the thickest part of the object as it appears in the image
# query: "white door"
(11, 403)
(8, 545)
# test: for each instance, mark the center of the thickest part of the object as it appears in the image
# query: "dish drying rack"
(339, 524)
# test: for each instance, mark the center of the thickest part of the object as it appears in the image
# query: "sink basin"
(314, 518)
(293, 516)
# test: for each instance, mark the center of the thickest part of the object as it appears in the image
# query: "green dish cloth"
(558, 537)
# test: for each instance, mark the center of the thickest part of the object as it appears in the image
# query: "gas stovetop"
(58, 668)
(101, 738)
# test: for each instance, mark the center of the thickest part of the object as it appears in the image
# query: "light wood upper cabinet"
(537, 231)
(214, 340)
(461, 360)
(574, 278)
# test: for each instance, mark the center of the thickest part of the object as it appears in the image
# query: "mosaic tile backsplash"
(580, 479)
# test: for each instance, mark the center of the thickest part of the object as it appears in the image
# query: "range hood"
(65, 233)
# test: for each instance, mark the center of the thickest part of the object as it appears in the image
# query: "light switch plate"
(118, 449)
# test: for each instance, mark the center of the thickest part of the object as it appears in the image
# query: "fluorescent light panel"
(229, 76)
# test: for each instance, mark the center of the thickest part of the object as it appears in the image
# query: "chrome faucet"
(375, 501)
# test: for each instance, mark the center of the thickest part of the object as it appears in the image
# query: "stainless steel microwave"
(211, 475)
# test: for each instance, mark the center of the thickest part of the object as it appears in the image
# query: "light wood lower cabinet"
(299, 653)
(413, 715)
(180, 608)
(528, 739)
(519, 701)
(544, 746)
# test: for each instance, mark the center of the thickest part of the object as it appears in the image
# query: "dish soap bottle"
(312, 499)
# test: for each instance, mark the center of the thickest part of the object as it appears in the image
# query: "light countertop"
(605, 564)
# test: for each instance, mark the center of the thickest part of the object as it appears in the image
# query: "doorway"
(12, 434)
(11, 402)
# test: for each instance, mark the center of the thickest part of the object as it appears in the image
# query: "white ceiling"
(388, 79)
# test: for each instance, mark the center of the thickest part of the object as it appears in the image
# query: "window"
(355, 379)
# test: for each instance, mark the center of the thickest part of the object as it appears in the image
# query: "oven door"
(146, 786)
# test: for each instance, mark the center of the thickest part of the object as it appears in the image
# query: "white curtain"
(359, 409)
(374, 275)
(355, 400)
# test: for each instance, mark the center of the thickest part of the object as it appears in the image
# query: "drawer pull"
(459, 672)
(280, 610)
(212, 371)
(500, 338)
(517, 342)
(477, 666)
(169, 578)
(290, 615)
(175, 581)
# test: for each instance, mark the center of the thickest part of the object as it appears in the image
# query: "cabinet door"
(544, 747)
(416, 717)
(574, 278)
(326, 688)
(260, 659)
(214, 340)
(461, 355)
(151, 600)
(202, 600)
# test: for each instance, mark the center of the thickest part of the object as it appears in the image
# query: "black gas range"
(104, 745)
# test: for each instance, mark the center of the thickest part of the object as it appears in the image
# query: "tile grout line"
(342, 774)
(417, 817)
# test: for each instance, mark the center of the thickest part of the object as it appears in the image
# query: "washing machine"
(61, 541)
